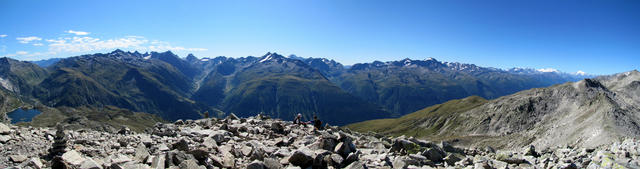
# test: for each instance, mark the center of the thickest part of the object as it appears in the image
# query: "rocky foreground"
(258, 142)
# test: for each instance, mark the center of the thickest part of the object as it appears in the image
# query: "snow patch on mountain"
(547, 70)
(407, 62)
(292, 56)
(7, 84)
(268, 57)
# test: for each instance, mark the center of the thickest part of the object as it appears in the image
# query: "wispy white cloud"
(175, 48)
(28, 39)
(24, 55)
(85, 44)
(54, 41)
(79, 33)
(88, 44)
(18, 53)
(22, 52)
(164, 46)
(3, 35)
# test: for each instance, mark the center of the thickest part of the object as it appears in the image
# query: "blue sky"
(598, 37)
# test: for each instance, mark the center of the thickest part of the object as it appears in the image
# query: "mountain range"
(587, 113)
(171, 87)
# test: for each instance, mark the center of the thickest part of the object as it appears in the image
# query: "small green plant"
(414, 148)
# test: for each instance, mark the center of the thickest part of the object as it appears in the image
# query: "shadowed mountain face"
(587, 113)
(123, 79)
(281, 87)
(175, 88)
(8, 103)
(20, 77)
(73, 94)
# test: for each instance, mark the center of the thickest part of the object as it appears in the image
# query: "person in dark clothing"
(317, 123)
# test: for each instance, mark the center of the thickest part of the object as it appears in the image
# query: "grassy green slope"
(437, 117)
(68, 87)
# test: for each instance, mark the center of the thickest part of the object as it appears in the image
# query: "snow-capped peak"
(580, 72)
(269, 56)
(547, 70)
(204, 59)
(272, 56)
(407, 62)
(429, 58)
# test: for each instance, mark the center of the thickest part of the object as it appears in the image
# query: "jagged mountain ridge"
(172, 87)
(408, 85)
(587, 113)
(280, 87)
(398, 97)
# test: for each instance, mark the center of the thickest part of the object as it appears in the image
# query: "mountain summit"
(269, 57)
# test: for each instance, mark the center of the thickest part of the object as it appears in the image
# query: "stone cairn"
(59, 142)
(58, 148)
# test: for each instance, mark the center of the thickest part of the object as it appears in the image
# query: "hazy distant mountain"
(330, 68)
(280, 86)
(408, 85)
(46, 62)
(587, 113)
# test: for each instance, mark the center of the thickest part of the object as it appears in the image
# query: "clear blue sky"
(598, 37)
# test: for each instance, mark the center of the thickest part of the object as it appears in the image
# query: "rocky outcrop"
(273, 144)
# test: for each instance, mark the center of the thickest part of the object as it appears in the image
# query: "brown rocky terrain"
(259, 142)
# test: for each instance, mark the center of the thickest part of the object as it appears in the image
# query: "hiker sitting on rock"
(298, 119)
(317, 124)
